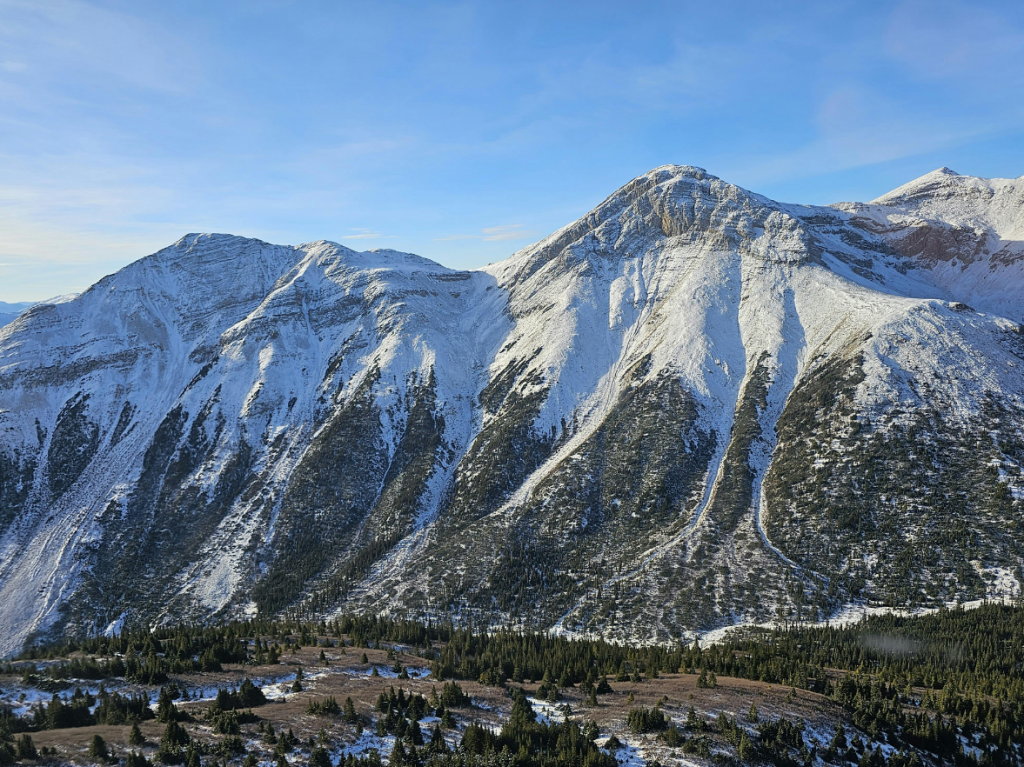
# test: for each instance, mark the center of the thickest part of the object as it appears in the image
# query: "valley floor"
(345, 676)
(899, 692)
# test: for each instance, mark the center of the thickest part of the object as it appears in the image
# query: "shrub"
(646, 720)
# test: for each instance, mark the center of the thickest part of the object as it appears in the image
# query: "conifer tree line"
(928, 682)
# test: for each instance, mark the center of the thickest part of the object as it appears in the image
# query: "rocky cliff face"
(694, 406)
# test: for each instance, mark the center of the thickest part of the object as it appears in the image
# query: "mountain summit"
(693, 407)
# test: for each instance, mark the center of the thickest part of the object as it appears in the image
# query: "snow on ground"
(547, 713)
(115, 627)
(22, 699)
(276, 690)
(632, 754)
(847, 616)
(386, 672)
(368, 741)
(203, 693)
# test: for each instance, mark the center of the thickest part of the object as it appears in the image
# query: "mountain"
(693, 407)
(10, 312)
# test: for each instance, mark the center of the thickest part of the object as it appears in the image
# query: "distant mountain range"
(9, 312)
(693, 407)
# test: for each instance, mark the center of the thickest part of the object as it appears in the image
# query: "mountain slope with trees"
(691, 408)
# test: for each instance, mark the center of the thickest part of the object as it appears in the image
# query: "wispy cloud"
(856, 127)
(940, 39)
(506, 232)
(90, 43)
(123, 127)
(936, 54)
(364, 234)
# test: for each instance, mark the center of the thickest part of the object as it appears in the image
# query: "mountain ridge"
(629, 406)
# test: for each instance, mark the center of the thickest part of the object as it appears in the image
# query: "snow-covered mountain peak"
(673, 170)
(922, 186)
(960, 236)
(400, 259)
(674, 408)
(944, 188)
(669, 207)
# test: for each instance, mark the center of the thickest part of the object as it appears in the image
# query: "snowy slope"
(693, 406)
(732, 298)
(250, 355)
(960, 236)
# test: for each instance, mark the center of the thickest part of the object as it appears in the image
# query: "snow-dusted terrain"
(691, 407)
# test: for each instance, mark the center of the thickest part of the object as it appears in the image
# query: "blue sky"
(465, 131)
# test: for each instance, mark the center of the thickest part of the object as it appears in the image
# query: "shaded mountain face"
(692, 407)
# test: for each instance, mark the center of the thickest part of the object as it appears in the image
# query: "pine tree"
(414, 734)
(171, 742)
(319, 757)
(350, 711)
(26, 748)
(745, 748)
(135, 737)
(166, 711)
(692, 722)
(98, 747)
(437, 742)
(397, 757)
(839, 744)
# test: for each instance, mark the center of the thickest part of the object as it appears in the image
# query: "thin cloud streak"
(364, 234)
(505, 233)
(502, 233)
